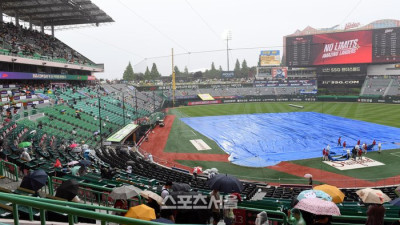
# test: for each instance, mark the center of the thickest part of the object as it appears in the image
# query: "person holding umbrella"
(215, 209)
(68, 190)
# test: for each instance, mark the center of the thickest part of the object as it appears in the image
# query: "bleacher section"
(30, 43)
(381, 87)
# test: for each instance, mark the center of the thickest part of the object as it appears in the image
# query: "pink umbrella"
(197, 169)
(72, 163)
(318, 206)
(73, 145)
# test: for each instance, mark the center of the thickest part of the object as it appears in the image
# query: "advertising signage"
(346, 69)
(368, 46)
(270, 58)
(37, 76)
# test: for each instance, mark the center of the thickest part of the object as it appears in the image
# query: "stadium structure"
(73, 148)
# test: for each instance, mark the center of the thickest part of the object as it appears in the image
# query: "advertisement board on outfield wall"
(205, 102)
(40, 76)
(363, 46)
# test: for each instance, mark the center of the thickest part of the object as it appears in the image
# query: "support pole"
(30, 22)
(1, 13)
(173, 79)
(52, 30)
(42, 27)
(101, 124)
(16, 19)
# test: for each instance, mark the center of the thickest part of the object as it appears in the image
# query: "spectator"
(295, 217)
(215, 206)
(73, 132)
(121, 204)
(153, 204)
(165, 189)
(262, 219)
(375, 213)
(25, 155)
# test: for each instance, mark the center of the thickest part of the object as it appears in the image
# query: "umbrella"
(318, 206)
(150, 194)
(85, 163)
(197, 169)
(124, 192)
(395, 202)
(372, 196)
(24, 144)
(68, 189)
(163, 220)
(142, 212)
(314, 194)
(74, 170)
(35, 180)
(73, 145)
(72, 163)
(225, 183)
(336, 194)
(307, 175)
(180, 187)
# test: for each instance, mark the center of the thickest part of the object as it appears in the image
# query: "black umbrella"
(180, 187)
(225, 183)
(35, 180)
(85, 163)
(68, 189)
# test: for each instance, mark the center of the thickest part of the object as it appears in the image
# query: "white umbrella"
(124, 192)
(369, 195)
(150, 194)
(307, 175)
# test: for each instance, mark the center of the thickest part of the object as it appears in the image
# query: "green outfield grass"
(385, 114)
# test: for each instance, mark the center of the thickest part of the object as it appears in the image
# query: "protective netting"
(259, 140)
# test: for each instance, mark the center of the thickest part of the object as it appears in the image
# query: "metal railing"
(9, 170)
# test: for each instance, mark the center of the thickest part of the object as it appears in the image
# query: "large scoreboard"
(386, 45)
(355, 47)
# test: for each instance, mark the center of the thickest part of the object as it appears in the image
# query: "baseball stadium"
(311, 137)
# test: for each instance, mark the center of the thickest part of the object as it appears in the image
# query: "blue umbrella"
(163, 220)
(314, 194)
(395, 202)
(35, 180)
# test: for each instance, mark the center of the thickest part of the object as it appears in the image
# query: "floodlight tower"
(227, 35)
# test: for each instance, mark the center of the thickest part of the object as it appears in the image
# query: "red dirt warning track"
(159, 138)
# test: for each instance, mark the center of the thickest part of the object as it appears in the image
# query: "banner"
(342, 69)
(284, 83)
(279, 72)
(37, 76)
(205, 102)
(228, 74)
(270, 58)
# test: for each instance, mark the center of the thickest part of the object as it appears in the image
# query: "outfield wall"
(299, 98)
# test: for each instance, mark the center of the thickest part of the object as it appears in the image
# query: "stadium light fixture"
(227, 35)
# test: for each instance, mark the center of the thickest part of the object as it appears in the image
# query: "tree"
(154, 74)
(237, 68)
(186, 71)
(220, 68)
(245, 69)
(128, 73)
(177, 71)
(147, 75)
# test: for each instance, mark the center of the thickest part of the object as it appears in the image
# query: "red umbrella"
(57, 164)
(197, 169)
(73, 145)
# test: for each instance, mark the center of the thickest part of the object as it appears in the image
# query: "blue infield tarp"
(259, 140)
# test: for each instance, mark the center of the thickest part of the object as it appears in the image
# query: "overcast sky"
(150, 28)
